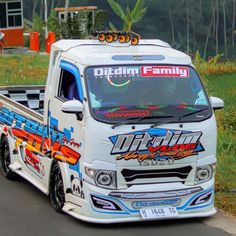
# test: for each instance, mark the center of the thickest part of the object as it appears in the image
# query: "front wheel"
(57, 194)
(6, 160)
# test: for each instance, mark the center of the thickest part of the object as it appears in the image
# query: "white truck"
(121, 133)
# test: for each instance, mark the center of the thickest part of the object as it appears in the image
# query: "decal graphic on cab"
(156, 144)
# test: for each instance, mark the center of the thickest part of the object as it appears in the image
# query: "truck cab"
(132, 130)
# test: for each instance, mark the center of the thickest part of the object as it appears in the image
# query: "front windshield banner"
(143, 71)
(165, 71)
(120, 93)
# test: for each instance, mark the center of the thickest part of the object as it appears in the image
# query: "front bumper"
(190, 201)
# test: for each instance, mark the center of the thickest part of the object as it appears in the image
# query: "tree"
(225, 33)
(99, 21)
(53, 23)
(188, 25)
(233, 23)
(67, 4)
(77, 27)
(128, 17)
(217, 26)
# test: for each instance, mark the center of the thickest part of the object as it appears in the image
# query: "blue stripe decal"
(109, 212)
(119, 203)
(193, 197)
(201, 206)
(129, 211)
(75, 71)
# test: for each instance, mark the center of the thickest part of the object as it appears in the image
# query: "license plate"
(159, 213)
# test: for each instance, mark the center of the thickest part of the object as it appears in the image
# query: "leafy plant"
(73, 28)
(53, 23)
(99, 21)
(37, 24)
(214, 65)
(129, 17)
(77, 27)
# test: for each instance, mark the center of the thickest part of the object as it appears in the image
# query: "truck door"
(66, 130)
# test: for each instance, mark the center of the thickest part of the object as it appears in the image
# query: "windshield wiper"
(176, 119)
(180, 117)
(138, 119)
(191, 113)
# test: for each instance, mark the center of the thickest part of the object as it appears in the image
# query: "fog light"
(109, 38)
(135, 41)
(122, 39)
(101, 37)
(127, 38)
(115, 37)
(204, 173)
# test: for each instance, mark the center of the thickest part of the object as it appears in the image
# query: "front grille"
(132, 175)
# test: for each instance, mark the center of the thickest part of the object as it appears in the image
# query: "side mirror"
(72, 106)
(216, 103)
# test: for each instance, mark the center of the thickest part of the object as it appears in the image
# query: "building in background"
(11, 22)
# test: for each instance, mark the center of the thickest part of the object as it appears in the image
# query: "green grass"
(32, 70)
(23, 69)
(224, 86)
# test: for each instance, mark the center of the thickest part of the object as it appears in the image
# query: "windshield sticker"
(143, 71)
(118, 85)
(116, 71)
(127, 113)
(165, 71)
(156, 144)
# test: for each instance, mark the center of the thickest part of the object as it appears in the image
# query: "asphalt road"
(25, 211)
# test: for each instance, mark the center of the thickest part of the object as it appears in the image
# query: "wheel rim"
(59, 195)
(6, 159)
(59, 192)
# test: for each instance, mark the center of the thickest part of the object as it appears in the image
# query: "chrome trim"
(155, 195)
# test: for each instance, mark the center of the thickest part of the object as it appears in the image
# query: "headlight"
(102, 178)
(106, 179)
(204, 173)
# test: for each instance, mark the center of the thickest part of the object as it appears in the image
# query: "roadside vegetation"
(220, 81)
(224, 86)
(23, 69)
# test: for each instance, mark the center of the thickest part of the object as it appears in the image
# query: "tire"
(57, 193)
(6, 160)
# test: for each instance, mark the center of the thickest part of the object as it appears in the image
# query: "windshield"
(122, 93)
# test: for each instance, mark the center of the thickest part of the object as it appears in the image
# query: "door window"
(68, 89)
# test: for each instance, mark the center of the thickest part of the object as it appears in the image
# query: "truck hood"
(171, 144)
